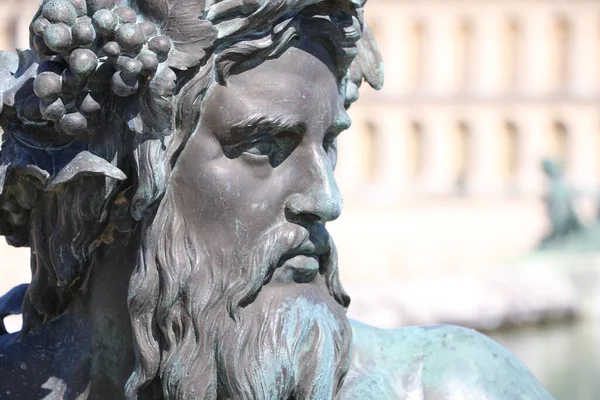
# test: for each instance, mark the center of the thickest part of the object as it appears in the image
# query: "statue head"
(552, 168)
(208, 129)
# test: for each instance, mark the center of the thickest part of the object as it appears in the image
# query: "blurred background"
(449, 216)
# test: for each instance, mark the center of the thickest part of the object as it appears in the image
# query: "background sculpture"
(559, 205)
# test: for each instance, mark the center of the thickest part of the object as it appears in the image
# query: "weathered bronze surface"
(564, 221)
(170, 165)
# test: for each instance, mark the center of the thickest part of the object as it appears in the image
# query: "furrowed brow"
(250, 124)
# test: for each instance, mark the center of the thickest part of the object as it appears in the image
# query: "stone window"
(415, 154)
(371, 156)
(416, 55)
(8, 39)
(559, 62)
(509, 151)
(558, 143)
(461, 159)
(464, 56)
(512, 56)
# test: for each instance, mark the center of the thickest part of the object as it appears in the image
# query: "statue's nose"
(316, 196)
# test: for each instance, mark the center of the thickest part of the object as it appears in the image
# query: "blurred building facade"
(477, 93)
(441, 170)
(15, 17)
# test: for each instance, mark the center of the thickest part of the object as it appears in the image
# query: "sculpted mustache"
(262, 263)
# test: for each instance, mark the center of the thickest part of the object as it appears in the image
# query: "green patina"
(435, 363)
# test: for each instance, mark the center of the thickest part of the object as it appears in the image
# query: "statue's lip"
(300, 268)
(291, 255)
(308, 248)
(307, 257)
(310, 254)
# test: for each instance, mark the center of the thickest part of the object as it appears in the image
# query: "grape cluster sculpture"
(87, 44)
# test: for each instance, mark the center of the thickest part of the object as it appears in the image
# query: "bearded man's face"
(249, 301)
(261, 159)
(264, 156)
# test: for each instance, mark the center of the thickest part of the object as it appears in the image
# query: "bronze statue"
(170, 164)
(559, 205)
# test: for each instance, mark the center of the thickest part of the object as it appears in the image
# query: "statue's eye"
(270, 147)
(277, 147)
(284, 143)
(261, 147)
(255, 147)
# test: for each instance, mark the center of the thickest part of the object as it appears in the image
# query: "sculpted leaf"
(15, 71)
(368, 60)
(250, 13)
(154, 10)
(181, 21)
(9, 61)
(86, 163)
(367, 65)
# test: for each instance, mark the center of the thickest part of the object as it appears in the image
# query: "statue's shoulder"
(20, 369)
(435, 363)
(38, 366)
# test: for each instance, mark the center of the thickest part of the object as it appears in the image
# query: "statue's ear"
(20, 187)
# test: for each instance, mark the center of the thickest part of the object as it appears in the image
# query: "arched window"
(510, 151)
(10, 32)
(416, 55)
(370, 153)
(462, 155)
(512, 53)
(464, 57)
(415, 150)
(561, 39)
(558, 143)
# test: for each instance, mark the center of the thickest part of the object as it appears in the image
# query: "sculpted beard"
(206, 328)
